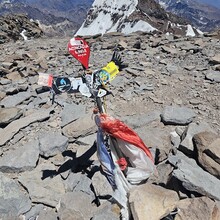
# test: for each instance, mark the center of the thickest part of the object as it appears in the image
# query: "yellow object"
(112, 69)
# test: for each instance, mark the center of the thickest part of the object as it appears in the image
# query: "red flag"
(118, 129)
(80, 50)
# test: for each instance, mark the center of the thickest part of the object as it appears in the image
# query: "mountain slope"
(203, 16)
(50, 12)
(128, 16)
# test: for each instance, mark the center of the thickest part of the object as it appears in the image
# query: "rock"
(81, 127)
(174, 115)
(87, 140)
(9, 131)
(77, 204)
(136, 121)
(13, 24)
(101, 185)
(2, 95)
(72, 181)
(213, 76)
(71, 112)
(46, 191)
(14, 76)
(151, 201)
(188, 209)
(156, 137)
(13, 100)
(34, 212)
(186, 144)
(7, 115)
(14, 201)
(47, 214)
(215, 59)
(108, 212)
(169, 50)
(51, 143)
(164, 170)
(194, 178)
(208, 151)
(22, 158)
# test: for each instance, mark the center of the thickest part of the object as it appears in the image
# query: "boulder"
(208, 151)
(14, 201)
(150, 201)
(193, 177)
(80, 127)
(174, 115)
(192, 129)
(20, 159)
(13, 128)
(52, 143)
(77, 204)
(198, 208)
(46, 191)
(7, 115)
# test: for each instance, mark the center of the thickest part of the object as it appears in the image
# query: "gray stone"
(188, 209)
(72, 181)
(194, 128)
(77, 204)
(175, 115)
(84, 185)
(21, 158)
(193, 177)
(107, 211)
(87, 140)
(213, 76)
(13, 100)
(34, 212)
(14, 201)
(9, 131)
(46, 191)
(71, 112)
(47, 215)
(215, 59)
(8, 115)
(151, 201)
(101, 185)
(136, 121)
(52, 143)
(81, 127)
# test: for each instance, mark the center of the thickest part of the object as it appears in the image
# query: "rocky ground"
(169, 94)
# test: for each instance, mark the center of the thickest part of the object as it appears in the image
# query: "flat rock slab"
(188, 209)
(77, 204)
(52, 143)
(136, 121)
(13, 100)
(13, 128)
(174, 115)
(83, 126)
(151, 201)
(193, 177)
(47, 191)
(8, 115)
(71, 112)
(21, 158)
(213, 76)
(13, 200)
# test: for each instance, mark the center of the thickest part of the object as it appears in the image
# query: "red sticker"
(80, 50)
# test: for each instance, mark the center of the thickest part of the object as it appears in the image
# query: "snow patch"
(23, 35)
(190, 31)
(139, 26)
